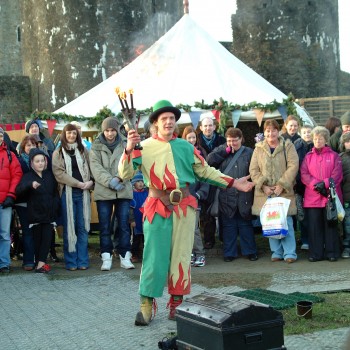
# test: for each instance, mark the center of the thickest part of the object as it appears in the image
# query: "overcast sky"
(215, 17)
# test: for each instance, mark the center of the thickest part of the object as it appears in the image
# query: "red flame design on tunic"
(179, 288)
(168, 179)
(197, 153)
(155, 181)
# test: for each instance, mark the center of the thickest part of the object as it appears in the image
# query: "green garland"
(225, 108)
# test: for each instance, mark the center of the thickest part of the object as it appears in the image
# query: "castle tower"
(294, 44)
(15, 92)
(71, 46)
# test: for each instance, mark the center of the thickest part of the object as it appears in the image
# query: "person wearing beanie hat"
(345, 127)
(169, 165)
(10, 175)
(40, 187)
(137, 177)
(30, 125)
(112, 195)
(140, 193)
(345, 158)
(110, 123)
(33, 127)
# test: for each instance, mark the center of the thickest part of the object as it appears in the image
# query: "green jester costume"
(168, 167)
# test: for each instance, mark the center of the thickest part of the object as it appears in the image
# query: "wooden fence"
(321, 108)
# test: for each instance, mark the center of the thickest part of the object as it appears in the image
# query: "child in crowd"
(200, 191)
(345, 158)
(302, 145)
(140, 194)
(39, 186)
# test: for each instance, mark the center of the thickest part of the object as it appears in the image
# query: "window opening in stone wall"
(264, 6)
(18, 34)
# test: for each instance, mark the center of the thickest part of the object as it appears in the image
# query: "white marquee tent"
(185, 66)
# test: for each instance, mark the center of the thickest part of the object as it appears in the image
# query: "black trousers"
(324, 241)
(42, 234)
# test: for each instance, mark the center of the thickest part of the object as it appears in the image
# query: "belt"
(170, 197)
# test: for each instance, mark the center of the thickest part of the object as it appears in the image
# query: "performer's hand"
(242, 184)
(133, 139)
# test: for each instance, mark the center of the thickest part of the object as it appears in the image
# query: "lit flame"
(117, 90)
(131, 91)
(123, 95)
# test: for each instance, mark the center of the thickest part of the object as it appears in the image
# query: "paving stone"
(97, 312)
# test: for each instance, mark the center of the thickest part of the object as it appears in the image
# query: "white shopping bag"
(273, 217)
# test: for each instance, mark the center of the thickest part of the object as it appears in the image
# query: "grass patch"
(332, 313)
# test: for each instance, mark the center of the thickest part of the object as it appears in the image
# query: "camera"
(168, 344)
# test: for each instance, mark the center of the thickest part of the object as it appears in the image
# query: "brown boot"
(144, 317)
(174, 302)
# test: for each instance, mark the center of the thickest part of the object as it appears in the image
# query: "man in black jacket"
(209, 139)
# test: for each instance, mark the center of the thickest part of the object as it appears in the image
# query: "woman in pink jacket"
(319, 165)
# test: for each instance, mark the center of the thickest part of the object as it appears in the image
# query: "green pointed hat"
(161, 107)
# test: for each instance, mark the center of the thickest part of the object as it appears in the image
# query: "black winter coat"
(230, 199)
(43, 202)
(218, 140)
(345, 159)
(302, 149)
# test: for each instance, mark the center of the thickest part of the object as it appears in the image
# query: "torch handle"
(131, 126)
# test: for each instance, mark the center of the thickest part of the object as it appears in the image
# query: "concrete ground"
(96, 310)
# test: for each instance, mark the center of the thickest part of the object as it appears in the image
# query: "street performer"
(169, 165)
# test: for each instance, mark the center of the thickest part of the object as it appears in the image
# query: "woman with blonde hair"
(290, 128)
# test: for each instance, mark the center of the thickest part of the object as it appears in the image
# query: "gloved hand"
(320, 187)
(9, 202)
(116, 184)
(228, 149)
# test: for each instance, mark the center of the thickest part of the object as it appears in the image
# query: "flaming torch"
(129, 114)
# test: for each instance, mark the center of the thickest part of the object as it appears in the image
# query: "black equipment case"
(224, 322)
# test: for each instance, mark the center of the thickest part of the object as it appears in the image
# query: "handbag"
(273, 217)
(331, 209)
(334, 208)
(213, 209)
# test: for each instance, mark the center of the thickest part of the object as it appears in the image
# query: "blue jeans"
(5, 241)
(79, 258)
(27, 234)
(286, 247)
(105, 209)
(231, 228)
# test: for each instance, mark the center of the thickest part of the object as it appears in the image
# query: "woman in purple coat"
(319, 165)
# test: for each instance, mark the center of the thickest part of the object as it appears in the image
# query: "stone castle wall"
(71, 46)
(15, 98)
(294, 44)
